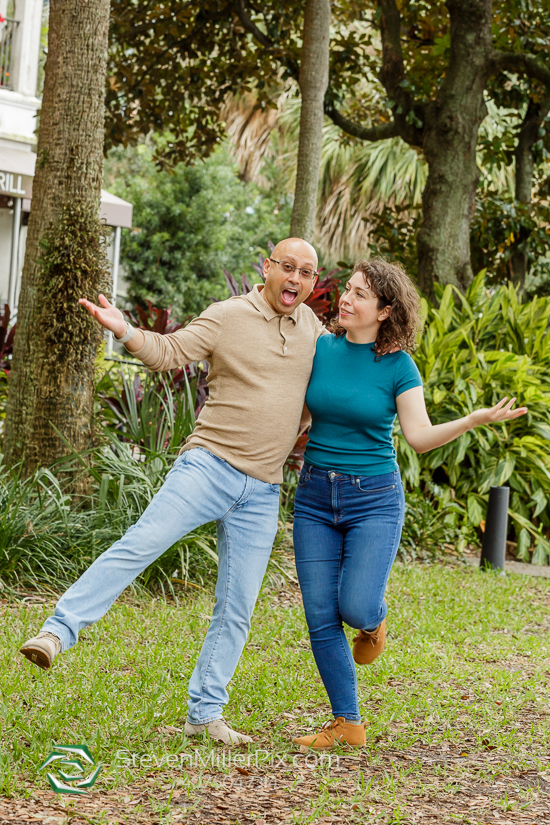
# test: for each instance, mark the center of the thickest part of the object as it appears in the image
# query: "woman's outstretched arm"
(422, 435)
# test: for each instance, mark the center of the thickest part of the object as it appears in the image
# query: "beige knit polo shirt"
(260, 363)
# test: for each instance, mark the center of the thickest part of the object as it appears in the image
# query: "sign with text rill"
(14, 185)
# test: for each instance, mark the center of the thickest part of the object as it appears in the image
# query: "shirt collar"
(255, 297)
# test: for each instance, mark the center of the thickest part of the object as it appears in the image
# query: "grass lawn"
(456, 712)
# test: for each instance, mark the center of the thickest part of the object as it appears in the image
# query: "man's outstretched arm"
(195, 342)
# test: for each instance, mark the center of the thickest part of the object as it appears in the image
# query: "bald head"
(297, 246)
(290, 275)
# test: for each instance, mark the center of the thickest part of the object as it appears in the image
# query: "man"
(260, 350)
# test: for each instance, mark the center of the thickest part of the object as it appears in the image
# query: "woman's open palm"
(500, 412)
(108, 316)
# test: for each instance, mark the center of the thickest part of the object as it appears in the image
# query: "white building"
(21, 24)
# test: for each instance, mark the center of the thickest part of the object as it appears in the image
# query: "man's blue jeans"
(346, 534)
(199, 488)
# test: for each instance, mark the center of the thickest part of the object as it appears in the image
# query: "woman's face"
(360, 314)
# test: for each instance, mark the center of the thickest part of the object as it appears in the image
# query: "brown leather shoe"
(337, 732)
(368, 646)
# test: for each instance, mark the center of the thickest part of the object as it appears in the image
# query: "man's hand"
(108, 316)
(499, 412)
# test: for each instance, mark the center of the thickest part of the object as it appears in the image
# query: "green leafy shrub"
(435, 525)
(501, 223)
(47, 540)
(155, 413)
(475, 349)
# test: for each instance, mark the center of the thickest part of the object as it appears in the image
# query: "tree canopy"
(174, 65)
(421, 71)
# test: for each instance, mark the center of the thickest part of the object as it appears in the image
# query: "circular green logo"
(75, 782)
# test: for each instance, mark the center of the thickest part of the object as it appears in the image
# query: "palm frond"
(250, 129)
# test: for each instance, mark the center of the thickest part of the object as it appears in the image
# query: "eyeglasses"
(289, 269)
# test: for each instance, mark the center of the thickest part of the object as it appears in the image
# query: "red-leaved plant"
(153, 319)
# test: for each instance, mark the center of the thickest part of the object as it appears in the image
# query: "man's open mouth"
(289, 296)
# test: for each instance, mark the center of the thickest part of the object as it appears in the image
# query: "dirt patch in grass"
(420, 784)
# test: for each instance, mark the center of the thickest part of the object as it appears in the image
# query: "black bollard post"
(493, 550)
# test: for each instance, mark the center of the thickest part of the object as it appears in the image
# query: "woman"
(349, 503)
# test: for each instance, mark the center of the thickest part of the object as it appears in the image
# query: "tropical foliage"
(161, 65)
(475, 349)
(498, 225)
(357, 179)
(393, 66)
(435, 525)
(48, 538)
(154, 413)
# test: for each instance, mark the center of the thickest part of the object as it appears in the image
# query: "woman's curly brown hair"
(393, 287)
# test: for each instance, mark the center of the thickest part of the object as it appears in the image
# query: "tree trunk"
(314, 66)
(450, 138)
(525, 167)
(52, 379)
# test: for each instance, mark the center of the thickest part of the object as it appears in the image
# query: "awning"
(115, 211)
(17, 172)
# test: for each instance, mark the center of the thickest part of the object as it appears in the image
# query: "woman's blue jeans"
(346, 534)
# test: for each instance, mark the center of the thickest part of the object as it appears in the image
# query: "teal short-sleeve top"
(351, 397)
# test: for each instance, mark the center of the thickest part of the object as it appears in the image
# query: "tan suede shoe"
(368, 646)
(337, 732)
(219, 730)
(42, 649)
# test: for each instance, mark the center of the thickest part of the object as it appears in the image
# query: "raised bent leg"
(245, 539)
(370, 547)
(199, 488)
